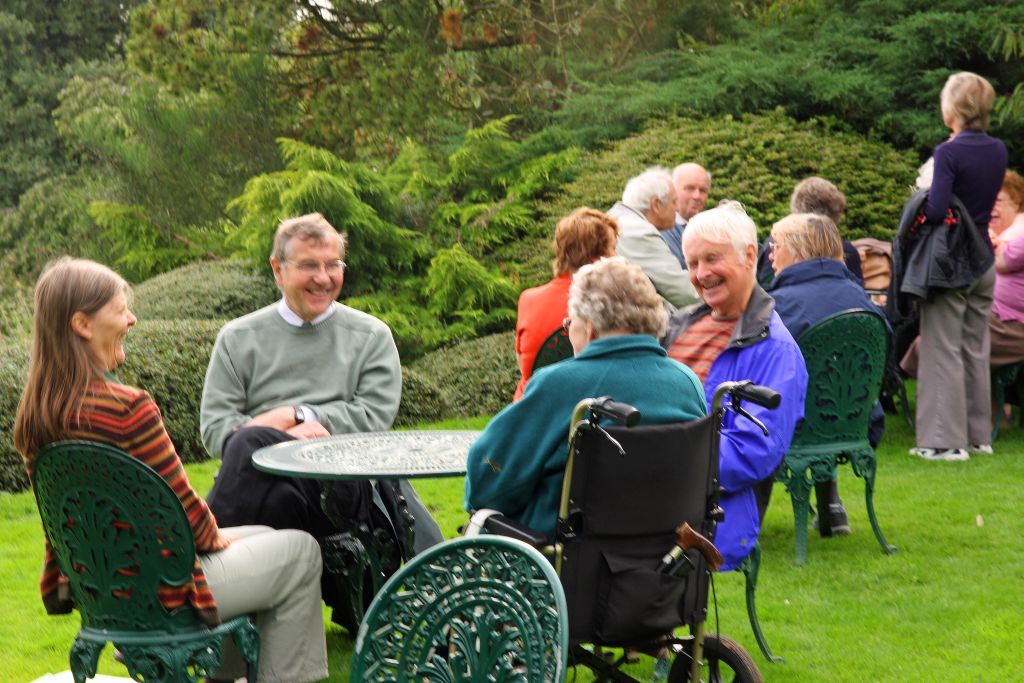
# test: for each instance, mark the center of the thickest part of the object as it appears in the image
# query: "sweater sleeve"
(504, 468)
(147, 439)
(378, 392)
(1013, 254)
(223, 400)
(941, 191)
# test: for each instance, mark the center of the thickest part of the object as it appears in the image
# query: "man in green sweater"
(307, 365)
(304, 367)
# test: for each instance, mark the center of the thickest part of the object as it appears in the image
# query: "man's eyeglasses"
(565, 324)
(312, 268)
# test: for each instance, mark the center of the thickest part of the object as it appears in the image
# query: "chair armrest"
(494, 522)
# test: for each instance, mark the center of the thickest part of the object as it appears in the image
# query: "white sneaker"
(947, 454)
(983, 448)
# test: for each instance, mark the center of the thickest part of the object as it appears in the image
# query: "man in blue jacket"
(735, 334)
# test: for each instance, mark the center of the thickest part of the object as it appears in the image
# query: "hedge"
(478, 377)
(207, 290)
(167, 358)
(422, 400)
(756, 159)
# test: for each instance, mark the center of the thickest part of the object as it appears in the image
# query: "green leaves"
(457, 284)
(757, 160)
(352, 198)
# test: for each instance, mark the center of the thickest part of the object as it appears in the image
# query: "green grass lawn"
(947, 606)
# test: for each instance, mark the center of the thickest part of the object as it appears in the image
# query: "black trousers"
(242, 494)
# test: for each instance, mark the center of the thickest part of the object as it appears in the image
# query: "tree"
(44, 42)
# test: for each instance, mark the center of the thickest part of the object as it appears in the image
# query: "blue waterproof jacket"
(516, 465)
(810, 290)
(761, 350)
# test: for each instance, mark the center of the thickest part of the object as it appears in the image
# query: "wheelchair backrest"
(665, 478)
(623, 511)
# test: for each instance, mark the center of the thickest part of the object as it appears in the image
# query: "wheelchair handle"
(687, 538)
(755, 393)
(622, 413)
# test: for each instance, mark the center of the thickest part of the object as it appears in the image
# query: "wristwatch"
(300, 415)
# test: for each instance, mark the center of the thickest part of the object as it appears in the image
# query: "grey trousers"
(274, 575)
(954, 403)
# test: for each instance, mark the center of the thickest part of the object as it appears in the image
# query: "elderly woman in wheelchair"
(615, 320)
(608, 506)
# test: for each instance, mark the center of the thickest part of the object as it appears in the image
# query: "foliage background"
(167, 138)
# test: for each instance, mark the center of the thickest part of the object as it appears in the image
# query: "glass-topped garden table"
(362, 557)
(371, 455)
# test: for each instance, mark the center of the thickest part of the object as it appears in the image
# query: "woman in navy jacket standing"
(953, 405)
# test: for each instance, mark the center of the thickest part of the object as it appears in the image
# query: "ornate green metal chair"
(1003, 378)
(845, 355)
(480, 609)
(555, 348)
(119, 532)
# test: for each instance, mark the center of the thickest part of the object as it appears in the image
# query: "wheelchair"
(638, 506)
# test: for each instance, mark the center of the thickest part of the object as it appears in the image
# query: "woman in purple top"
(954, 413)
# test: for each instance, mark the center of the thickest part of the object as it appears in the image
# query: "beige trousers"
(954, 406)
(275, 576)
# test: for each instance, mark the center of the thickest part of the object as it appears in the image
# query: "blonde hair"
(62, 365)
(967, 99)
(582, 237)
(312, 226)
(615, 294)
(809, 235)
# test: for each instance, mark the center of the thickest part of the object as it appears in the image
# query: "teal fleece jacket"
(516, 464)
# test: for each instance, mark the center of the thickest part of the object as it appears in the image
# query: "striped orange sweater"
(128, 418)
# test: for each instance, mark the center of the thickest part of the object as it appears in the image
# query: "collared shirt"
(294, 320)
(674, 239)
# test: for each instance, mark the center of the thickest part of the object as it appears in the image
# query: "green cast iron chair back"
(845, 355)
(119, 532)
(481, 609)
(556, 347)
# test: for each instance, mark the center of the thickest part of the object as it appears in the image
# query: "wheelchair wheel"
(724, 660)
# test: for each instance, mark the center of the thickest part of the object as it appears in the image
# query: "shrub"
(166, 358)
(478, 376)
(15, 312)
(208, 290)
(13, 368)
(422, 400)
(756, 160)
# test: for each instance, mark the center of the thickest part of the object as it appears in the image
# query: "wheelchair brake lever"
(611, 439)
(739, 409)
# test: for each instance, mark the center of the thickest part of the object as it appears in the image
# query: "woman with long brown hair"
(81, 320)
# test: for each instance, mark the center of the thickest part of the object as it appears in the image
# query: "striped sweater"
(128, 418)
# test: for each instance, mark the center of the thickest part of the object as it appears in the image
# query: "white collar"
(294, 320)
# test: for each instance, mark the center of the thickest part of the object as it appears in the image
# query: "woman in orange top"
(582, 237)
(81, 319)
